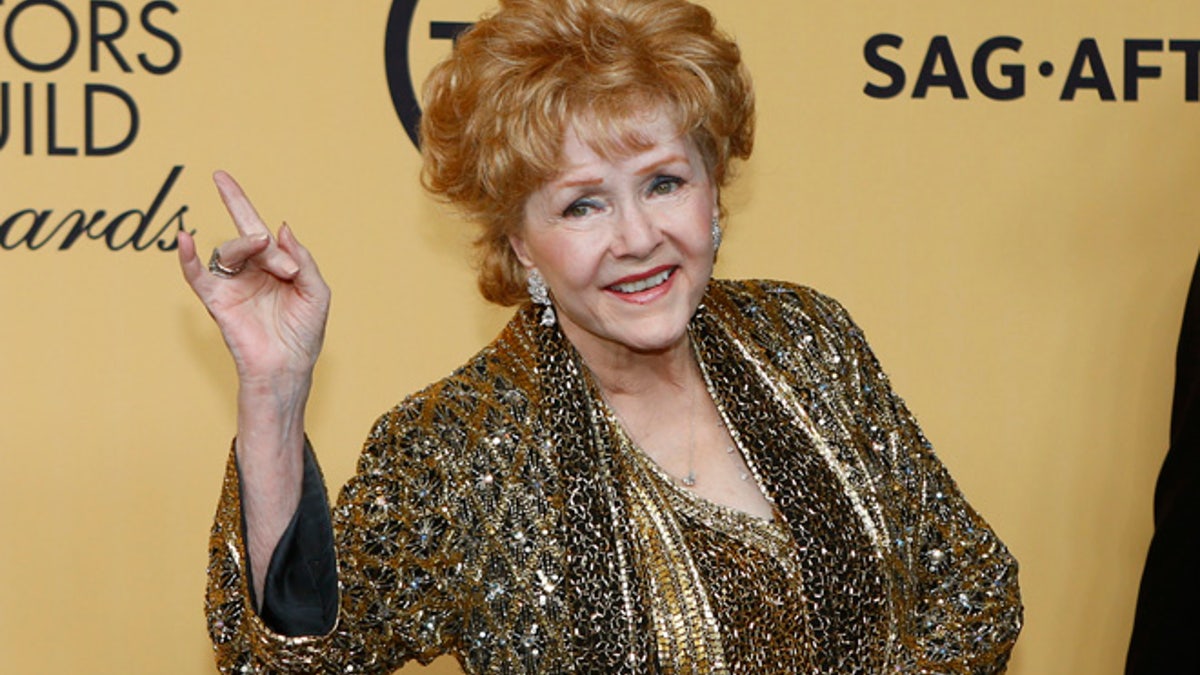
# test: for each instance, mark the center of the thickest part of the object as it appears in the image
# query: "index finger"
(245, 218)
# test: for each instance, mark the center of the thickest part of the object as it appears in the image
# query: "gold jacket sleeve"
(960, 608)
(397, 564)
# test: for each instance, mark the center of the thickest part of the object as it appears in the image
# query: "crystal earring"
(716, 234)
(539, 293)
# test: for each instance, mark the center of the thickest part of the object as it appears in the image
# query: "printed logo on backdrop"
(999, 69)
(405, 35)
(47, 112)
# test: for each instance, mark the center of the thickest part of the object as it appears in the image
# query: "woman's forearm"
(270, 455)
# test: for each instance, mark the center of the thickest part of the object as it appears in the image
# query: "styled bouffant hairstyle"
(497, 109)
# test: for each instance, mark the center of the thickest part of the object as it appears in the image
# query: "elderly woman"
(649, 469)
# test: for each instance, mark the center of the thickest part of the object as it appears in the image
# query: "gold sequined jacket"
(488, 518)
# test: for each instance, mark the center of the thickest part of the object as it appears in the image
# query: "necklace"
(689, 479)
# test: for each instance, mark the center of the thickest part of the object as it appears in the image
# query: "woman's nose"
(637, 233)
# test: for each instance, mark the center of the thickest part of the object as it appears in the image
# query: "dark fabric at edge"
(300, 596)
(1167, 622)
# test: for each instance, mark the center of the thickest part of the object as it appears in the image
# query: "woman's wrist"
(274, 404)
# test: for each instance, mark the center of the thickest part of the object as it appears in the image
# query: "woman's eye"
(580, 209)
(665, 185)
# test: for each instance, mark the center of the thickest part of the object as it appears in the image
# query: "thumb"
(308, 279)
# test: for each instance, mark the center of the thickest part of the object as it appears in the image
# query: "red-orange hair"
(497, 109)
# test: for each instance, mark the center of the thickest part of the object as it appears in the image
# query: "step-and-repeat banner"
(1002, 193)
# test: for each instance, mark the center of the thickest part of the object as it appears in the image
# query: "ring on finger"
(215, 266)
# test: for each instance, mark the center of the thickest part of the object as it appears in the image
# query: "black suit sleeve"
(1167, 623)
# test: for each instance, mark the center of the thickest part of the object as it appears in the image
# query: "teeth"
(648, 282)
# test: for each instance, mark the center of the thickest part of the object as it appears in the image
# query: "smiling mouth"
(644, 284)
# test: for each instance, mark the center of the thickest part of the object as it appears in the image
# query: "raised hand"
(272, 310)
(270, 302)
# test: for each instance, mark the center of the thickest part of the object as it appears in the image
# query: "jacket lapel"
(600, 581)
(795, 446)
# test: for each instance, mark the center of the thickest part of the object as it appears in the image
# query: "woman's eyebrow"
(660, 163)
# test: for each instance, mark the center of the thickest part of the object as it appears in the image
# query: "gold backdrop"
(1020, 266)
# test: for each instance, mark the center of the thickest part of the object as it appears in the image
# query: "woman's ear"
(517, 242)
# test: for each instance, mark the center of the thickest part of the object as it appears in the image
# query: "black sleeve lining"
(300, 595)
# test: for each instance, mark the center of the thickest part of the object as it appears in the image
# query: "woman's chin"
(653, 340)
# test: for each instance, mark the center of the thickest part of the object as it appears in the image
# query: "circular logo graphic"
(399, 75)
(399, 66)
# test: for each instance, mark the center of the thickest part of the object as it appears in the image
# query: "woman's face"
(625, 245)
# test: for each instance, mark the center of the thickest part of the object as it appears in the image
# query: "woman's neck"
(625, 374)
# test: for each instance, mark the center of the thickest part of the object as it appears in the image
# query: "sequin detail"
(487, 519)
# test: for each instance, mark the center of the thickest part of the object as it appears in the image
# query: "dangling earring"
(540, 294)
(716, 234)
